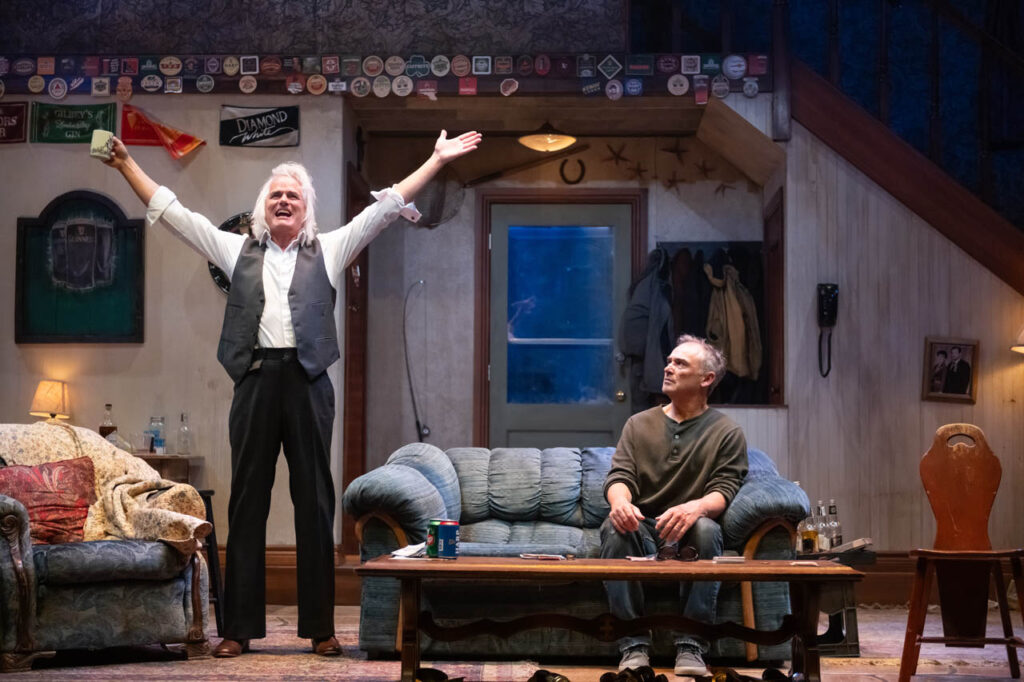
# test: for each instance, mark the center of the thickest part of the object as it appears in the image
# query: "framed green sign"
(79, 274)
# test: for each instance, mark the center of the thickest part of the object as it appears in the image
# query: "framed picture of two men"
(950, 369)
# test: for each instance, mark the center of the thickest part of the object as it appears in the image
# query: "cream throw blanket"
(132, 501)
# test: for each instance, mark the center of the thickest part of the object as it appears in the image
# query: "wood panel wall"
(858, 435)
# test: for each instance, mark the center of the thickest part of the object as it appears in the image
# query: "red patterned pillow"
(57, 496)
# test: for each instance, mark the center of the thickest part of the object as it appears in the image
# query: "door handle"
(620, 396)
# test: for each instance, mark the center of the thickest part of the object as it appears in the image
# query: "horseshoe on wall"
(579, 178)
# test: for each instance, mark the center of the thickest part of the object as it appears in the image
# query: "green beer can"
(432, 533)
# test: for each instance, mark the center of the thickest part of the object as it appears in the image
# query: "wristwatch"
(240, 223)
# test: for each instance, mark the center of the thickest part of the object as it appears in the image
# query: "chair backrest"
(961, 480)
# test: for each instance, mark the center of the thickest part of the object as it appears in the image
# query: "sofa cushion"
(107, 561)
(472, 465)
(596, 462)
(57, 496)
(561, 474)
(513, 484)
(760, 465)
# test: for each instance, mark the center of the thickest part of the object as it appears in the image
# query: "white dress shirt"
(221, 248)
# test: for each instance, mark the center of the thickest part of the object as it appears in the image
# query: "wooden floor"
(881, 639)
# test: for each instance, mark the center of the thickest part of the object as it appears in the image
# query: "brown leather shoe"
(230, 648)
(326, 647)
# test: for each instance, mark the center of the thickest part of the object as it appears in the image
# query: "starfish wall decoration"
(672, 183)
(638, 171)
(676, 150)
(617, 155)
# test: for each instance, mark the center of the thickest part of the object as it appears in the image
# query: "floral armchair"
(131, 574)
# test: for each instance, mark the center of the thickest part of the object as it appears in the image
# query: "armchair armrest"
(17, 577)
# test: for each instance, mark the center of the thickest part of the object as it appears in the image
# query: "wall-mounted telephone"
(828, 304)
(828, 311)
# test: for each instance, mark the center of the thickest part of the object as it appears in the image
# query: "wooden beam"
(739, 142)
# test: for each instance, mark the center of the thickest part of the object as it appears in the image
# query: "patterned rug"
(279, 656)
(282, 656)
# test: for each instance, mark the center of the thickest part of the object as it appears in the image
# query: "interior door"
(559, 279)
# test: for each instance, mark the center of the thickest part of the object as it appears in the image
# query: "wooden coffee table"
(805, 578)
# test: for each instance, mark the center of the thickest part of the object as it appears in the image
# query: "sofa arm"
(400, 494)
(757, 501)
(17, 577)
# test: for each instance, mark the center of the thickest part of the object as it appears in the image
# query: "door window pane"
(560, 314)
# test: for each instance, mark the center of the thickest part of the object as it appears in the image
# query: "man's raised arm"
(143, 185)
(445, 150)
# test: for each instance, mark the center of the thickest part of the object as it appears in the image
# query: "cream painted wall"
(857, 435)
(176, 367)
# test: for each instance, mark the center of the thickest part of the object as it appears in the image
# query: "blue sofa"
(513, 500)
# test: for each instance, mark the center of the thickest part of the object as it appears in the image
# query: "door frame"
(353, 449)
(635, 198)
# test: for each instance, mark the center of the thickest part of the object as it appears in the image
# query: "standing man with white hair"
(675, 469)
(277, 341)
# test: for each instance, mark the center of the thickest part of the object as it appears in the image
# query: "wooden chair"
(961, 481)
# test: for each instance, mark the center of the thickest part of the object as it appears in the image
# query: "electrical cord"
(822, 368)
(422, 430)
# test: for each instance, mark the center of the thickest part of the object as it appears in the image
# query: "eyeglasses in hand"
(679, 553)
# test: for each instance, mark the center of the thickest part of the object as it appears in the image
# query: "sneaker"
(689, 662)
(634, 657)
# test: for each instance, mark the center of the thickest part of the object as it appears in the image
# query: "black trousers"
(277, 404)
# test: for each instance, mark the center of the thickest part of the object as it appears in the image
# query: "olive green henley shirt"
(665, 463)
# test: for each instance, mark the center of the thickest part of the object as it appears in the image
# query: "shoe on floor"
(634, 657)
(689, 662)
(326, 647)
(230, 648)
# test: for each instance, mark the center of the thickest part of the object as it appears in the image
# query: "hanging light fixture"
(547, 138)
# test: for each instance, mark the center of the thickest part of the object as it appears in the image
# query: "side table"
(213, 560)
(839, 601)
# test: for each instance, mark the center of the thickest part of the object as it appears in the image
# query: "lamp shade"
(51, 400)
(1018, 345)
(547, 138)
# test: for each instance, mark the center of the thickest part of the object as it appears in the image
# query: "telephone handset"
(828, 304)
(828, 311)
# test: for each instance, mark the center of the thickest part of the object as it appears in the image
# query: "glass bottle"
(184, 436)
(835, 527)
(107, 426)
(822, 526)
(157, 444)
(807, 532)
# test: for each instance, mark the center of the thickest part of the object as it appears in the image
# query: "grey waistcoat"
(310, 298)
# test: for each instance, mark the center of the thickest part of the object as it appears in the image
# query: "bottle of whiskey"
(835, 527)
(107, 426)
(808, 531)
(822, 526)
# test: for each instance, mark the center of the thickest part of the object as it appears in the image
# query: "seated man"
(676, 467)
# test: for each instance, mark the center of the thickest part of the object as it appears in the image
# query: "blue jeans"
(626, 597)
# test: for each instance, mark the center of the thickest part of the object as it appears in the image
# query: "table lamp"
(51, 400)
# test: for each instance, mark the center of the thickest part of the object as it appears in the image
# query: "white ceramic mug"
(102, 144)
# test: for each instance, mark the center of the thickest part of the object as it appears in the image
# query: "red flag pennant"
(139, 129)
